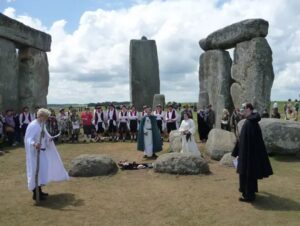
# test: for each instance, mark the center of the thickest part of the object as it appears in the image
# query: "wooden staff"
(37, 190)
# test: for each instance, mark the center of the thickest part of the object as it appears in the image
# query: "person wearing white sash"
(99, 123)
(24, 119)
(160, 118)
(133, 117)
(171, 119)
(112, 120)
(51, 166)
(187, 129)
(123, 123)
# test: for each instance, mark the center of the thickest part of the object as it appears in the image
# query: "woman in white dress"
(187, 129)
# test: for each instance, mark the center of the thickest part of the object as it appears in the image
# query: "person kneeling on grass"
(149, 140)
(51, 167)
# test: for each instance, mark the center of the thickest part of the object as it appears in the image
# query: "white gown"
(51, 166)
(148, 140)
(188, 146)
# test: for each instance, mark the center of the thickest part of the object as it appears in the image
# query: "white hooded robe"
(51, 166)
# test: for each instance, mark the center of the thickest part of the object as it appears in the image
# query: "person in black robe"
(253, 161)
(202, 126)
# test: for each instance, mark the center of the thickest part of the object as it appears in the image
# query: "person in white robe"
(51, 166)
(149, 140)
(187, 129)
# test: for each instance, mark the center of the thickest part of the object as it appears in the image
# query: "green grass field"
(146, 198)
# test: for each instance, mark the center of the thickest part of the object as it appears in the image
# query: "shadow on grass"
(60, 201)
(286, 158)
(268, 201)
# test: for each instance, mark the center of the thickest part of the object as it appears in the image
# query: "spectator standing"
(275, 112)
(210, 117)
(10, 127)
(202, 126)
(25, 118)
(86, 118)
(225, 121)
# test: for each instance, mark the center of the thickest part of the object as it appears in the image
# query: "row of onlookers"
(122, 123)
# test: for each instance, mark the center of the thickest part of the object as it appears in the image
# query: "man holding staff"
(43, 163)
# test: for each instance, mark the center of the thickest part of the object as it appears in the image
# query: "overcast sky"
(89, 61)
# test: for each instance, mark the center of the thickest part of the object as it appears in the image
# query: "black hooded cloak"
(253, 161)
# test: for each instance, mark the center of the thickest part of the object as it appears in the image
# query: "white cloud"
(32, 22)
(91, 64)
(287, 82)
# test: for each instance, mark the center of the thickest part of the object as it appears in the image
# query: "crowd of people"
(109, 123)
(206, 117)
(98, 124)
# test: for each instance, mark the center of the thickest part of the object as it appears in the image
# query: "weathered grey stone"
(92, 165)
(1, 103)
(280, 136)
(9, 79)
(219, 143)
(33, 78)
(229, 36)
(144, 72)
(159, 99)
(227, 160)
(253, 72)
(215, 82)
(178, 163)
(23, 35)
(175, 141)
(203, 99)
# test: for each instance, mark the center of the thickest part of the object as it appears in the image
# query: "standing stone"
(1, 103)
(159, 99)
(34, 78)
(253, 73)
(144, 72)
(215, 82)
(229, 36)
(8, 75)
(203, 100)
